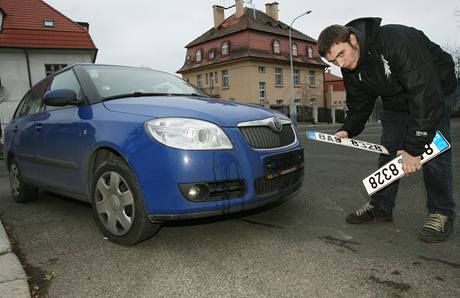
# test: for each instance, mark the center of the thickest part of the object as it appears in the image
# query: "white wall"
(14, 74)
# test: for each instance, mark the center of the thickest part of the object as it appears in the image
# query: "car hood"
(221, 112)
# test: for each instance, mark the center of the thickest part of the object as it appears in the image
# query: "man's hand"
(410, 164)
(341, 134)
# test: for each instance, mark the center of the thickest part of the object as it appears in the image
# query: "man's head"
(339, 46)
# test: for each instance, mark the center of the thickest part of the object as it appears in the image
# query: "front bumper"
(160, 170)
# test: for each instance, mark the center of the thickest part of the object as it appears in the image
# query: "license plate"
(324, 137)
(392, 171)
(282, 164)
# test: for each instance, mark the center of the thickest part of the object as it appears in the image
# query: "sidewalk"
(13, 279)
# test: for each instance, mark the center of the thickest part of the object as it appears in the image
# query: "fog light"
(195, 192)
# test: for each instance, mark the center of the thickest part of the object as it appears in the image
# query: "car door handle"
(15, 130)
(38, 127)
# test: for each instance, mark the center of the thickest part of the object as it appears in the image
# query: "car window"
(66, 80)
(115, 80)
(32, 102)
(20, 108)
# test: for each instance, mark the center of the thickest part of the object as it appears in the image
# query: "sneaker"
(369, 213)
(437, 228)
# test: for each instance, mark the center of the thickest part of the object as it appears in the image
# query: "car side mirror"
(61, 97)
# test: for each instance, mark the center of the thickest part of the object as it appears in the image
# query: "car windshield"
(120, 81)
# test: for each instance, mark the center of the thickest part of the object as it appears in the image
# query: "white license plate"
(324, 137)
(392, 171)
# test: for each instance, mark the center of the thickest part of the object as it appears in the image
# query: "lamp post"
(292, 105)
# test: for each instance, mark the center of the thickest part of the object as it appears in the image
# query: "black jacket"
(407, 70)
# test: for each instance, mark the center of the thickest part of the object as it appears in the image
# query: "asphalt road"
(302, 248)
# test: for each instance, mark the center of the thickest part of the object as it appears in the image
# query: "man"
(416, 81)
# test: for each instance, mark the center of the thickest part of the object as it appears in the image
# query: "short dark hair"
(332, 35)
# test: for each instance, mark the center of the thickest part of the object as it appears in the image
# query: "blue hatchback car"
(145, 147)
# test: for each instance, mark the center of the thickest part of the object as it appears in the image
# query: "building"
(246, 57)
(35, 40)
(334, 91)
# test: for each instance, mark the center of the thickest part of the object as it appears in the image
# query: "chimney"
(271, 9)
(219, 15)
(239, 8)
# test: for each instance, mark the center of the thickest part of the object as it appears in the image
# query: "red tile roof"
(23, 27)
(328, 77)
(262, 22)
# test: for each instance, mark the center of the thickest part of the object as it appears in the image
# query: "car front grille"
(262, 137)
(266, 186)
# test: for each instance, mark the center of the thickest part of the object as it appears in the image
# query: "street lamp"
(292, 105)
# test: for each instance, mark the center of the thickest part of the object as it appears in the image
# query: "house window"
(211, 79)
(225, 78)
(311, 79)
(207, 82)
(1, 20)
(312, 101)
(48, 23)
(211, 55)
(215, 76)
(199, 81)
(50, 68)
(296, 77)
(279, 102)
(278, 76)
(198, 55)
(262, 93)
(276, 47)
(261, 69)
(294, 49)
(297, 101)
(309, 52)
(225, 48)
(189, 57)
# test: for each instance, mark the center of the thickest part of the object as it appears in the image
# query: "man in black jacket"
(416, 80)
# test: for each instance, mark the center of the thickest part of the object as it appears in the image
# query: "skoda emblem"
(275, 125)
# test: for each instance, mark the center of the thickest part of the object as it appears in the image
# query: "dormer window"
(48, 23)
(225, 48)
(294, 49)
(309, 52)
(276, 47)
(211, 55)
(198, 55)
(189, 58)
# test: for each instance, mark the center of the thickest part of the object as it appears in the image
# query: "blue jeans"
(437, 173)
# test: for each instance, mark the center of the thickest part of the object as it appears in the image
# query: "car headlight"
(190, 134)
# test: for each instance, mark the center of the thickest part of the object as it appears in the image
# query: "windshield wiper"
(140, 94)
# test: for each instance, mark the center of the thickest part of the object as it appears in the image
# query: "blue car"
(145, 147)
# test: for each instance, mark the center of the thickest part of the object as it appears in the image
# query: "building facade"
(36, 40)
(245, 57)
(334, 91)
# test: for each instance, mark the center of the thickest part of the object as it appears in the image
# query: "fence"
(306, 113)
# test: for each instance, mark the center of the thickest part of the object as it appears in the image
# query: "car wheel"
(22, 192)
(118, 204)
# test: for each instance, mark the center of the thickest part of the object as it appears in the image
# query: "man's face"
(345, 54)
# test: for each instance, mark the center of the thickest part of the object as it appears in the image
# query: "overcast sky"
(153, 33)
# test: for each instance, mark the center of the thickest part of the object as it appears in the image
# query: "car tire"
(22, 192)
(118, 204)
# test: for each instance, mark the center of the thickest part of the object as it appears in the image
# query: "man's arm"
(360, 106)
(410, 58)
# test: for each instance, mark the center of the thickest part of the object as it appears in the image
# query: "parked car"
(145, 147)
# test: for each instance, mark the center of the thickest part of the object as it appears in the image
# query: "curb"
(13, 279)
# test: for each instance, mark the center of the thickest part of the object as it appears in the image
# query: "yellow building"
(246, 58)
